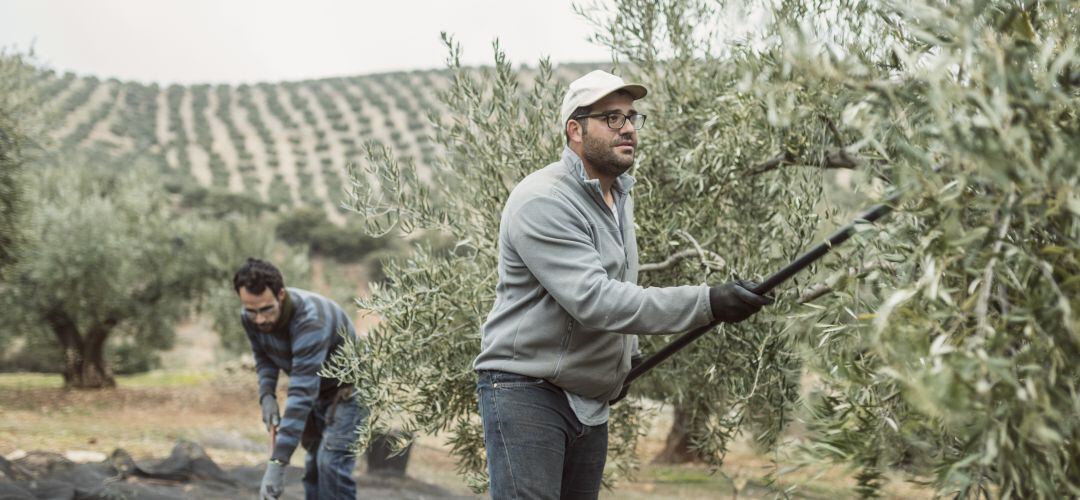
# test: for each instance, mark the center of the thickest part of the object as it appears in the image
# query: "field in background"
(286, 143)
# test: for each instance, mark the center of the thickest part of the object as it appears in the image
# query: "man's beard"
(602, 156)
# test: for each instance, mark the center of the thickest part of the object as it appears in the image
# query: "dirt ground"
(147, 414)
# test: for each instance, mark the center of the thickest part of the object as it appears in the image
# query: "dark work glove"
(733, 301)
(273, 481)
(270, 414)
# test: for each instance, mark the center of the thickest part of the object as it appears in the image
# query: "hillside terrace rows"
(286, 143)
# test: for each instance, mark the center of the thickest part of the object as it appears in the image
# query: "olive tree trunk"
(84, 358)
(677, 449)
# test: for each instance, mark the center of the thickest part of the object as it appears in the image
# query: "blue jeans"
(536, 447)
(329, 464)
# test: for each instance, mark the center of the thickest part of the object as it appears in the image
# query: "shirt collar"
(287, 312)
(622, 184)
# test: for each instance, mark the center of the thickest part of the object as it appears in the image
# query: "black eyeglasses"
(264, 311)
(617, 120)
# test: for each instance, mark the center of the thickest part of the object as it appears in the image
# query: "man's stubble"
(601, 155)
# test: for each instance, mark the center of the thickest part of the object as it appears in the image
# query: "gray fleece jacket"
(567, 304)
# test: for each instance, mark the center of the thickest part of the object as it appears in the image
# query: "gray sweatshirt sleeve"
(556, 244)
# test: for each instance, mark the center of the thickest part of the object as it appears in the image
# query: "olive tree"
(940, 349)
(939, 341)
(436, 300)
(948, 353)
(419, 359)
(111, 265)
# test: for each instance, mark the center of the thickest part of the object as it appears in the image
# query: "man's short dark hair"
(257, 275)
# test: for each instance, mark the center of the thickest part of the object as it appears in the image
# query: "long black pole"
(840, 236)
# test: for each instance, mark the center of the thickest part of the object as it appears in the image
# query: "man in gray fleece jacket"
(561, 336)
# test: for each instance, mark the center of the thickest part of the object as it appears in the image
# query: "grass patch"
(23, 380)
(680, 475)
(159, 378)
(156, 378)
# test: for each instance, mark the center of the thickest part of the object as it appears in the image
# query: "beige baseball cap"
(591, 88)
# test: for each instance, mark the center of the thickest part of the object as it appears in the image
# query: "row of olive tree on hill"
(940, 341)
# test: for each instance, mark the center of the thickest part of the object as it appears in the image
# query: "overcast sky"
(233, 41)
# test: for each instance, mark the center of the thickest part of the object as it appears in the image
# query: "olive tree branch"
(817, 291)
(711, 260)
(981, 307)
(1063, 300)
(835, 158)
(832, 129)
(718, 262)
(770, 164)
(674, 258)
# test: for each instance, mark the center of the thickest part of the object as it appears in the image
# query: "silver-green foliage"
(731, 174)
(960, 359)
(695, 194)
(946, 344)
(415, 367)
(19, 130)
(105, 255)
(112, 265)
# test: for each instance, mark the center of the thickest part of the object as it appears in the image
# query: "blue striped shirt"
(314, 332)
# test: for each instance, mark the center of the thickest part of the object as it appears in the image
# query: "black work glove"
(270, 414)
(733, 301)
(273, 481)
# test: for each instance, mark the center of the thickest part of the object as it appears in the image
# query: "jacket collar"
(622, 184)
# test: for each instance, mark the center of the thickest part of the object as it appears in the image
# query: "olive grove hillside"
(937, 344)
(142, 199)
(283, 143)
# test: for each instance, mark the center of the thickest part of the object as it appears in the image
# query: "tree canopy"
(19, 132)
(113, 265)
(938, 343)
